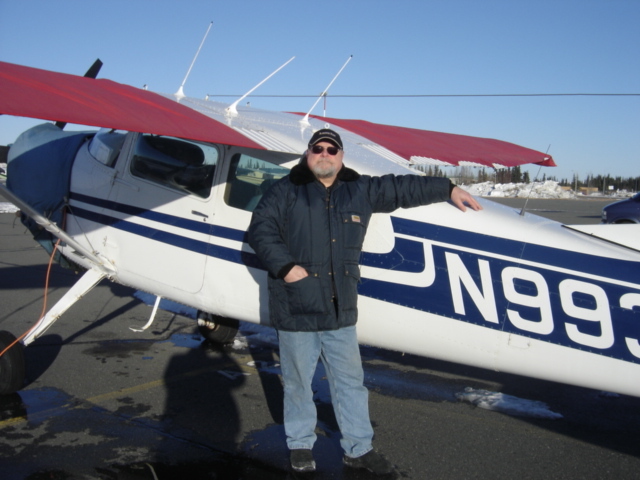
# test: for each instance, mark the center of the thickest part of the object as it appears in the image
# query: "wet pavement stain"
(130, 408)
(108, 443)
(120, 349)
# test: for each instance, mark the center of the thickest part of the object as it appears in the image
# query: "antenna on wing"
(305, 120)
(524, 207)
(180, 93)
(233, 111)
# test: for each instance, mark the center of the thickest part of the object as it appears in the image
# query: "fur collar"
(301, 175)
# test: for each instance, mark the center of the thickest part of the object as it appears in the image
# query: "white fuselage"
(492, 289)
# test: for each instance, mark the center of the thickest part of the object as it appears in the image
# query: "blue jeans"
(340, 354)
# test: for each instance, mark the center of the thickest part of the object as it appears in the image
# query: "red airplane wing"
(35, 93)
(445, 147)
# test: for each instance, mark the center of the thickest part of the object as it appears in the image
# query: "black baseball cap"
(327, 135)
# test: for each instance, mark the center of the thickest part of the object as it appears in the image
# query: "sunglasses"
(317, 149)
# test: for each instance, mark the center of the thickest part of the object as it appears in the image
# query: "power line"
(444, 95)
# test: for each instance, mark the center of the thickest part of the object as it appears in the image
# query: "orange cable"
(44, 305)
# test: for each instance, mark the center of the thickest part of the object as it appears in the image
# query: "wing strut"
(89, 280)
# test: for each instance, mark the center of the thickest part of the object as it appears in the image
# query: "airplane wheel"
(217, 329)
(12, 368)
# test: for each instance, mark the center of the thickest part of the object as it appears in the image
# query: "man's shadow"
(200, 405)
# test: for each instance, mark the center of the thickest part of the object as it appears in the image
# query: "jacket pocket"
(305, 296)
(354, 227)
(351, 278)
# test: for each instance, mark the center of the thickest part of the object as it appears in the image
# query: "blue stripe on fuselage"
(553, 257)
(159, 235)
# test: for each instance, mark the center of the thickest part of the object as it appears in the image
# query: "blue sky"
(399, 47)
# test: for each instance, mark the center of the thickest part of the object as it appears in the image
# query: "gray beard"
(321, 171)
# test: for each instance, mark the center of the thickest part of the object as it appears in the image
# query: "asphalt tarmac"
(104, 402)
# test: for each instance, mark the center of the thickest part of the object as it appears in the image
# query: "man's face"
(323, 165)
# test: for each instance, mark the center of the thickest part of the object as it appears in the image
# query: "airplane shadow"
(34, 276)
(606, 420)
(40, 355)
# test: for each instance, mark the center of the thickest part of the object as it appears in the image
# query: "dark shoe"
(372, 461)
(302, 460)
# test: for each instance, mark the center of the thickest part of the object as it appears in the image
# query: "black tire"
(217, 329)
(12, 367)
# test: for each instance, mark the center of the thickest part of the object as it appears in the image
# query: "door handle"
(200, 214)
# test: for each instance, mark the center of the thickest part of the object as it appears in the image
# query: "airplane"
(161, 196)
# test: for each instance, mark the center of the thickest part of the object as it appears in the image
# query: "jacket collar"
(301, 175)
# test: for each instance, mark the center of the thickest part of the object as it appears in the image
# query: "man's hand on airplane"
(460, 197)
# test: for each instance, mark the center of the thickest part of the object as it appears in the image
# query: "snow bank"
(548, 189)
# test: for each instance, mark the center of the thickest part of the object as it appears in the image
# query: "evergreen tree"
(516, 175)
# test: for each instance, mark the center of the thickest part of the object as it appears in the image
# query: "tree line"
(471, 175)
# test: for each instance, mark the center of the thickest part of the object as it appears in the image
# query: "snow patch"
(500, 402)
(6, 207)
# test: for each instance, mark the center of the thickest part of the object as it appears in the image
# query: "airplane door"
(162, 208)
(240, 291)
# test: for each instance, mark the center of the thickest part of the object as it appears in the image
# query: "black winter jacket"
(299, 221)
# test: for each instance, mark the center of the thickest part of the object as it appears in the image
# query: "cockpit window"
(249, 178)
(105, 146)
(180, 164)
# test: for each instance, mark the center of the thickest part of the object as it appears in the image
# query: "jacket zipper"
(334, 297)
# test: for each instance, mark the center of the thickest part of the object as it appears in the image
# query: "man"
(308, 230)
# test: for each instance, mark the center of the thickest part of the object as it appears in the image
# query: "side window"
(105, 146)
(249, 178)
(180, 164)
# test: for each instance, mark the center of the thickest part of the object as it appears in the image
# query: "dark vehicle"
(624, 211)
